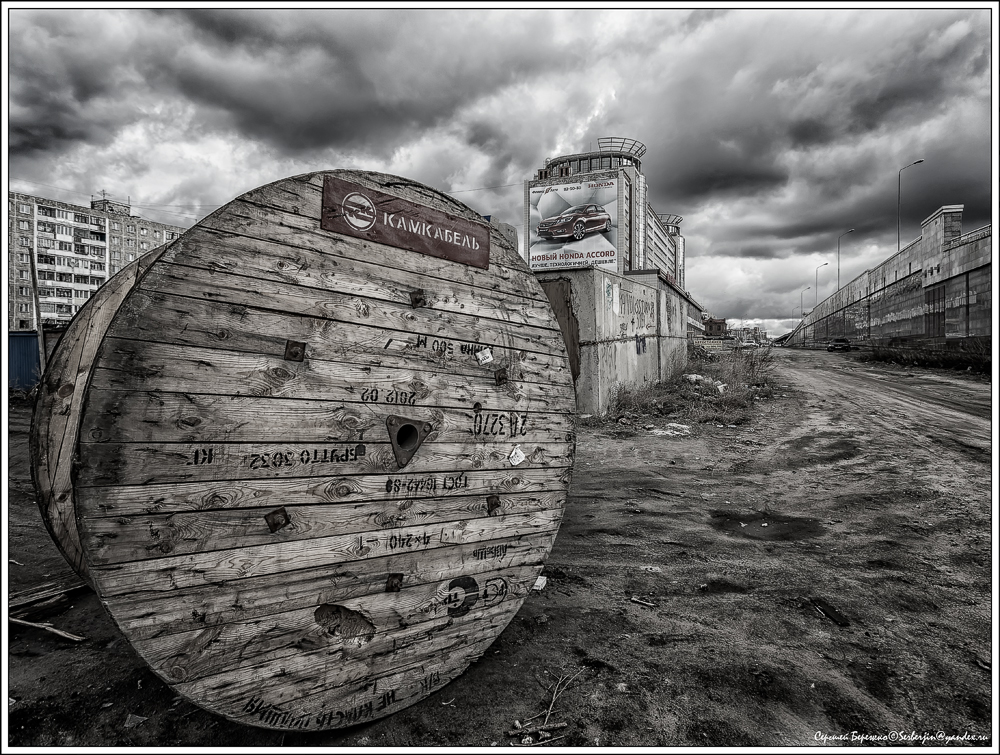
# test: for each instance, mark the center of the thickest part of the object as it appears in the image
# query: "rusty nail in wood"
(295, 351)
(277, 519)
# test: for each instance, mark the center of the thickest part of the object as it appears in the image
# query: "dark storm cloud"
(771, 132)
(351, 79)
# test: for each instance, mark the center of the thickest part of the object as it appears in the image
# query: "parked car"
(839, 344)
(575, 222)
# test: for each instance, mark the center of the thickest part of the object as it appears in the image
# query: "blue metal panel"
(22, 352)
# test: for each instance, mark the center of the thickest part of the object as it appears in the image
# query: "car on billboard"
(575, 222)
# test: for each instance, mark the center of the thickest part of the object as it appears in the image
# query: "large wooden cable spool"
(324, 450)
(58, 403)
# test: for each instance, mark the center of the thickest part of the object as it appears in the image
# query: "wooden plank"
(146, 614)
(68, 583)
(111, 464)
(475, 324)
(394, 620)
(191, 417)
(210, 495)
(138, 366)
(290, 263)
(291, 706)
(120, 539)
(212, 567)
(182, 320)
(56, 418)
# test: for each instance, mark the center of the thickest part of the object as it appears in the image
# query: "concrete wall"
(628, 330)
(934, 292)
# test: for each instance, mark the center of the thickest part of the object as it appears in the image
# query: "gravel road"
(821, 574)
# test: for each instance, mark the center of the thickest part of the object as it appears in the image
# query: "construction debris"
(48, 628)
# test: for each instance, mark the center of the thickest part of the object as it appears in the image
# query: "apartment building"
(76, 250)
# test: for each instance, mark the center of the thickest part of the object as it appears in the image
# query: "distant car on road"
(839, 344)
(575, 222)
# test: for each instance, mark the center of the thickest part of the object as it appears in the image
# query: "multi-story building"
(76, 249)
(590, 210)
(715, 327)
(612, 268)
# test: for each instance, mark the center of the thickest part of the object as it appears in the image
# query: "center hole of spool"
(407, 437)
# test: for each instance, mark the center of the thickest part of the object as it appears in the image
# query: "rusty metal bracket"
(277, 519)
(501, 376)
(417, 298)
(295, 351)
(394, 582)
(492, 504)
(406, 435)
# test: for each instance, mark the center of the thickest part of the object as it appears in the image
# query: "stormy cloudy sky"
(771, 132)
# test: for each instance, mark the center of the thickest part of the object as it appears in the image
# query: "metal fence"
(22, 360)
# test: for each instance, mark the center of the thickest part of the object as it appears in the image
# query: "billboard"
(573, 225)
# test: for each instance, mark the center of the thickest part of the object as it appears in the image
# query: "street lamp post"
(899, 185)
(816, 292)
(838, 255)
(802, 310)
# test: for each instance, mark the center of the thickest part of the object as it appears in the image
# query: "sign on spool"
(324, 450)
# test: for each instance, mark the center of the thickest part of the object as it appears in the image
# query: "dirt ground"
(820, 575)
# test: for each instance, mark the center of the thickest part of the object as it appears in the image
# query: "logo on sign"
(359, 211)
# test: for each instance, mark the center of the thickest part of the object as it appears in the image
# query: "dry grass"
(974, 355)
(746, 374)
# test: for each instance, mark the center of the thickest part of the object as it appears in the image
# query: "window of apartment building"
(130, 242)
(46, 275)
(65, 230)
(143, 245)
(115, 269)
(64, 277)
(115, 254)
(46, 243)
(47, 212)
(64, 309)
(44, 227)
(24, 307)
(64, 293)
(81, 279)
(46, 292)
(47, 307)
(96, 280)
(65, 246)
(81, 218)
(130, 228)
(62, 214)
(143, 231)
(116, 240)
(97, 266)
(24, 225)
(23, 257)
(23, 291)
(156, 235)
(171, 235)
(22, 275)
(24, 208)
(116, 226)
(130, 257)
(47, 259)
(24, 241)
(81, 294)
